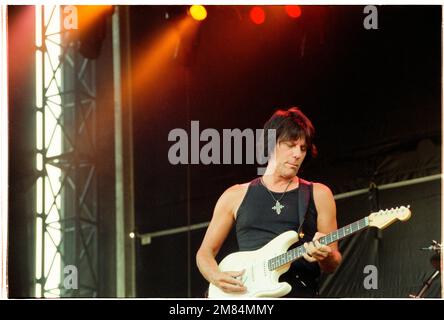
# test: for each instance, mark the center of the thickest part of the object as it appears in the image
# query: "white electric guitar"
(264, 266)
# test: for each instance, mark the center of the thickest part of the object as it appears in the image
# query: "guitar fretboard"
(298, 252)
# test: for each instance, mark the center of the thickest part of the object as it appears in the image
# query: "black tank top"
(257, 224)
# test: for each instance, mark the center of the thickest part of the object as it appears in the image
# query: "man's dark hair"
(291, 124)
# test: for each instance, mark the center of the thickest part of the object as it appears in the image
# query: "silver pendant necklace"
(278, 206)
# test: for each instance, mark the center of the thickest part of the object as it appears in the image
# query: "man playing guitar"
(269, 206)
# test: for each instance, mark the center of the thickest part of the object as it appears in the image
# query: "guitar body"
(257, 278)
(260, 281)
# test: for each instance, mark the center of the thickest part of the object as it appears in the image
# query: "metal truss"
(66, 206)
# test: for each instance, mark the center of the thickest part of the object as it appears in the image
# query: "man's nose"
(297, 152)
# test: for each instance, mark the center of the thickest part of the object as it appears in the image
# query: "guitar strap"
(303, 200)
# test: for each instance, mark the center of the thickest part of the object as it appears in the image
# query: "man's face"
(289, 156)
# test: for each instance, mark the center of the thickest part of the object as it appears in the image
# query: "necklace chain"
(277, 207)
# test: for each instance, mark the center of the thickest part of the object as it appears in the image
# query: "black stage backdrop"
(373, 96)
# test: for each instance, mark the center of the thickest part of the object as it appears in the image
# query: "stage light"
(92, 28)
(198, 13)
(293, 11)
(257, 15)
(156, 53)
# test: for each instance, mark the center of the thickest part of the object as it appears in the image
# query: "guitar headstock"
(384, 218)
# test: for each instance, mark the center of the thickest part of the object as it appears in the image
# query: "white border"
(3, 153)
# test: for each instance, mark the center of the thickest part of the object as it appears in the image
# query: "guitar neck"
(334, 236)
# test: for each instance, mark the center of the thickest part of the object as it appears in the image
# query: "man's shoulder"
(237, 189)
(320, 189)
(321, 192)
(232, 197)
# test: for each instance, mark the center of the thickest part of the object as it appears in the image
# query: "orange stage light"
(88, 15)
(149, 65)
(198, 13)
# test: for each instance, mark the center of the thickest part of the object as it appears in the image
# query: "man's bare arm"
(220, 225)
(329, 256)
